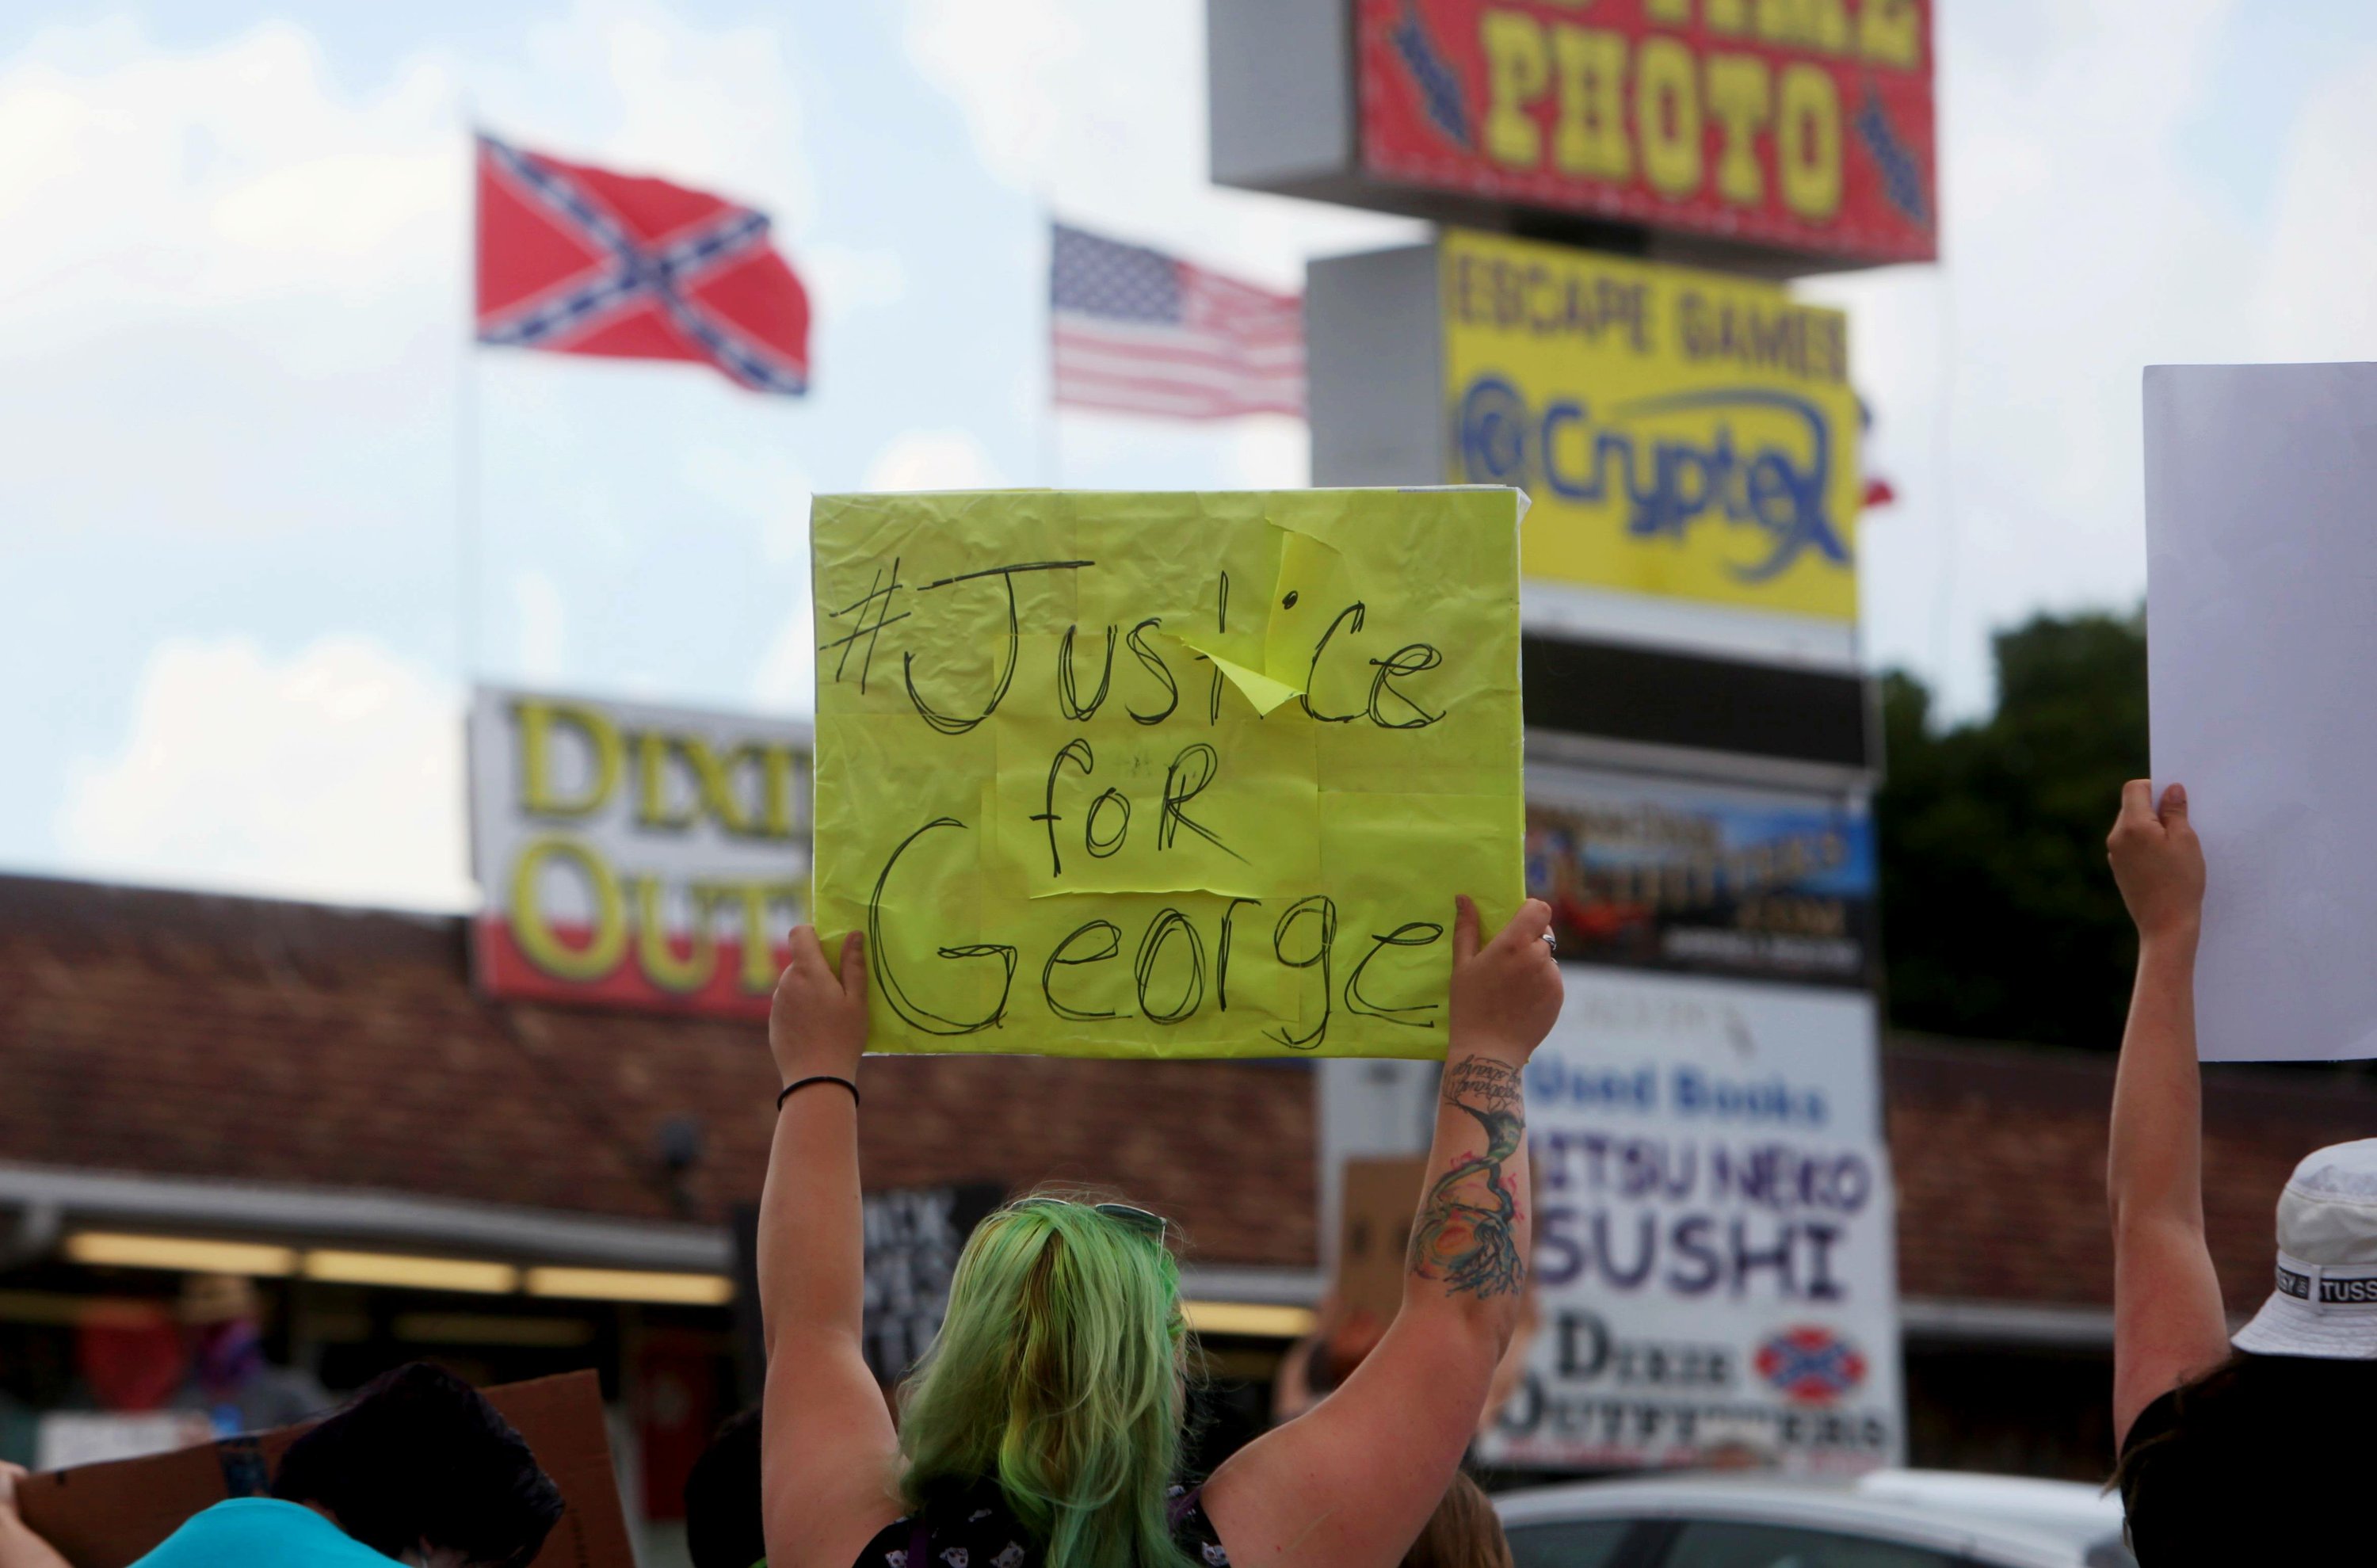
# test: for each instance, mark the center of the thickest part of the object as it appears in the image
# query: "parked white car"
(1887, 1519)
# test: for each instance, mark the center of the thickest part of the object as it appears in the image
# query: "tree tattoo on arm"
(1466, 1233)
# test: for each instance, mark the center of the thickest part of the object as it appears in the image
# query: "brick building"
(409, 1170)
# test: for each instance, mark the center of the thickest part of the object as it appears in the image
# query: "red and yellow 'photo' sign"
(1805, 125)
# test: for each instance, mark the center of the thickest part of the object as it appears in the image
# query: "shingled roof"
(185, 1034)
(195, 1035)
(2000, 1156)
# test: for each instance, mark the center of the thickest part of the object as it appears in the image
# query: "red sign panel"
(1802, 125)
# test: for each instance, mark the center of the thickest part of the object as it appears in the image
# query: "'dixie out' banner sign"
(635, 857)
(1684, 434)
(1804, 124)
(1166, 774)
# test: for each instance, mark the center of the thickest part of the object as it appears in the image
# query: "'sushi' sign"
(635, 857)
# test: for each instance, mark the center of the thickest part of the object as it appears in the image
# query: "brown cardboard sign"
(107, 1515)
(1380, 1195)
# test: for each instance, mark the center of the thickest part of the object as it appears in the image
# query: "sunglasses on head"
(1151, 1225)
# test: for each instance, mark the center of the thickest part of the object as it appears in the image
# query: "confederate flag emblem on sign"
(580, 260)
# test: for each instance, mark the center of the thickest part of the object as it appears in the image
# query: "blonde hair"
(1464, 1532)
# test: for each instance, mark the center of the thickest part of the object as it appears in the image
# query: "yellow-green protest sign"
(1166, 774)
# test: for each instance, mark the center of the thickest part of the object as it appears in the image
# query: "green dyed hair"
(1060, 1371)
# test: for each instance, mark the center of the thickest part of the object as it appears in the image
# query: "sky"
(264, 515)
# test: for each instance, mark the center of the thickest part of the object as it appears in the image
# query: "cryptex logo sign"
(1666, 482)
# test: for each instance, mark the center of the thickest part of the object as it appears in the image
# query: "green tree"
(1998, 917)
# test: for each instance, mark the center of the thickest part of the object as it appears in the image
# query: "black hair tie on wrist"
(786, 1091)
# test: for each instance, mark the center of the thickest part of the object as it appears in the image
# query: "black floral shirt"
(979, 1530)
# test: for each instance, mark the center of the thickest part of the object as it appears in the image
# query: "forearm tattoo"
(1466, 1235)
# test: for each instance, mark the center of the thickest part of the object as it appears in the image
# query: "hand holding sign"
(2158, 862)
(1186, 775)
(816, 1021)
(1506, 994)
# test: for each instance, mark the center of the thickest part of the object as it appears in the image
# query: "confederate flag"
(580, 260)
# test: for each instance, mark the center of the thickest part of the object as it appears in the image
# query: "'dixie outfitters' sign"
(635, 857)
(1804, 124)
(1166, 774)
(1684, 434)
(1715, 1242)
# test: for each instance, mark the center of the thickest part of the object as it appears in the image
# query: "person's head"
(419, 1466)
(1462, 1533)
(1060, 1372)
(723, 1513)
(2325, 1303)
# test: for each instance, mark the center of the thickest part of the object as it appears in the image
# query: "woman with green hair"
(1044, 1428)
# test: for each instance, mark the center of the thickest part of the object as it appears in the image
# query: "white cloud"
(933, 460)
(2078, 248)
(762, 485)
(334, 774)
(1099, 110)
(2314, 301)
(631, 83)
(786, 678)
(240, 271)
(247, 299)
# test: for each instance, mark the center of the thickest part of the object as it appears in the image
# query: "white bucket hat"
(2325, 1304)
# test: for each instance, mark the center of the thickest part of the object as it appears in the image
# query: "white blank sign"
(2262, 655)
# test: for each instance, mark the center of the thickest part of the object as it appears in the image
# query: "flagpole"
(1052, 452)
(467, 542)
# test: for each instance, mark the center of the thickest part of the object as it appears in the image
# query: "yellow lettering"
(1805, 24)
(1740, 99)
(1676, 13)
(713, 783)
(1808, 142)
(1726, 15)
(1591, 136)
(1889, 32)
(539, 721)
(654, 808)
(656, 955)
(753, 900)
(780, 774)
(1518, 68)
(533, 931)
(1667, 117)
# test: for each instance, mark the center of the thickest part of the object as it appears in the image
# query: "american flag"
(1137, 331)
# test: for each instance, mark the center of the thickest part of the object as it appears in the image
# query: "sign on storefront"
(1759, 884)
(1799, 133)
(1683, 434)
(635, 857)
(1805, 125)
(1714, 1236)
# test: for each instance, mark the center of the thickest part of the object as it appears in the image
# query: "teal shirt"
(261, 1532)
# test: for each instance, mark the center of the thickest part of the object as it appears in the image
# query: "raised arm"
(1351, 1483)
(828, 1447)
(2169, 1323)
